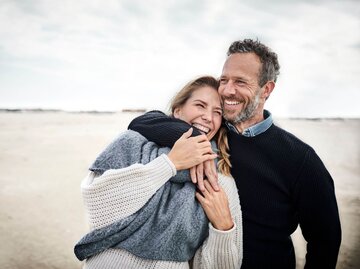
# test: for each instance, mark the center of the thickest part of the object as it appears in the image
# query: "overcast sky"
(110, 55)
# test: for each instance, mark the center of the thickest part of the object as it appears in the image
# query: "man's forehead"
(242, 64)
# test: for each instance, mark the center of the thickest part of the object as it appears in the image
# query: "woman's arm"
(118, 193)
(223, 249)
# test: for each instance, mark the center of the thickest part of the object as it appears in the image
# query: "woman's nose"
(207, 116)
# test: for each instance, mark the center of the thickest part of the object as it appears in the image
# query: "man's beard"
(247, 113)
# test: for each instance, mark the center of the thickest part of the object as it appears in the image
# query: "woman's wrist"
(173, 161)
(224, 225)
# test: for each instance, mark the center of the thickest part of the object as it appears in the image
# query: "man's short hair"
(270, 66)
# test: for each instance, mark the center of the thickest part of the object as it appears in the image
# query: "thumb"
(188, 133)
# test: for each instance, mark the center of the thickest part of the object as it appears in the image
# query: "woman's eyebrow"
(205, 103)
(201, 101)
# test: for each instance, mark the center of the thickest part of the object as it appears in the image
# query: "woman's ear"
(176, 113)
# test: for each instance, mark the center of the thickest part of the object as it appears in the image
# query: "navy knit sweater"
(281, 183)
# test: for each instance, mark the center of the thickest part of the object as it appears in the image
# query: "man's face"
(239, 88)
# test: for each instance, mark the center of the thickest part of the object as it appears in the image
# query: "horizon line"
(144, 110)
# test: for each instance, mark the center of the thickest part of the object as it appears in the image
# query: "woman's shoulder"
(130, 134)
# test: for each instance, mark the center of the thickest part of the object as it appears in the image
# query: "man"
(282, 183)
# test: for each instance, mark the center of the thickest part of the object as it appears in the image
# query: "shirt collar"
(256, 129)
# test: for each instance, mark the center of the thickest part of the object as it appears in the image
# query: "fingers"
(200, 176)
(208, 157)
(193, 174)
(200, 138)
(211, 174)
(201, 186)
(206, 167)
(203, 144)
(208, 187)
(187, 134)
(200, 198)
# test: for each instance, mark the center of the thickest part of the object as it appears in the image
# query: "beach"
(45, 155)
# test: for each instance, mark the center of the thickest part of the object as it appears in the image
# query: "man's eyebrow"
(235, 77)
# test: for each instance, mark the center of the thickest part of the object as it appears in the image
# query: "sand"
(45, 155)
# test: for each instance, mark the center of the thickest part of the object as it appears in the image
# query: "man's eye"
(239, 82)
(223, 81)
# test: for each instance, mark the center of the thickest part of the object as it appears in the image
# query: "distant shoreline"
(143, 110)
(40, 110)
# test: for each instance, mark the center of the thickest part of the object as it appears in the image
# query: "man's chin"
(231, 116)
(235, 119)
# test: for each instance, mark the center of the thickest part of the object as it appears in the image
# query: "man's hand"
(209, 169)
(216, 207)
(190, 151)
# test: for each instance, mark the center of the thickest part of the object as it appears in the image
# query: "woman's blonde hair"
(224, 164)
(221, 137)
(186, 92)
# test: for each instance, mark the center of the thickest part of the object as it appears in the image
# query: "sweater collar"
(256, 129)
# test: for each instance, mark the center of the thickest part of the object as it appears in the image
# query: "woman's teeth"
(201, 128)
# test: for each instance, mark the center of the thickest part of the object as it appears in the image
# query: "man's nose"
(229, 88)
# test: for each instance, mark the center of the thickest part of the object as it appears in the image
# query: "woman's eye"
(200, 105)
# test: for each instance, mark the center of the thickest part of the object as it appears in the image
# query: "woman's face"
(202, 110)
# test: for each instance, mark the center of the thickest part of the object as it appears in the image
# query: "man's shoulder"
(288, 138)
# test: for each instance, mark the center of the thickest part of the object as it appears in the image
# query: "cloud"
(111, 54)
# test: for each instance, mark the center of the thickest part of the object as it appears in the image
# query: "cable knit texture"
(172, 220)
(119, 193)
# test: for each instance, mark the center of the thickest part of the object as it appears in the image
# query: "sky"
(111, 55)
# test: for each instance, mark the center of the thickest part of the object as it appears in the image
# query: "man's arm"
(160, 128)
(318, 213)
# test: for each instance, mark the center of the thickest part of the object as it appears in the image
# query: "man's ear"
(268, 88)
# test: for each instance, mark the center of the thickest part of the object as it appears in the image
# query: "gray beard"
(247, 112)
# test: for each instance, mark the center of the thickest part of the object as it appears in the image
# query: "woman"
(114, 194)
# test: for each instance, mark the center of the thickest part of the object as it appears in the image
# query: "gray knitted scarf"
(170, 226)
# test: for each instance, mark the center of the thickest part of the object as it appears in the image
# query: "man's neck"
(258, 117)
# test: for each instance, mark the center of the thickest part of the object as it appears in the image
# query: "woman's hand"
(190, 151)
(216, 207)
(208, 169)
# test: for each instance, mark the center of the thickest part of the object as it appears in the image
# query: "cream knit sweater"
(119, 193)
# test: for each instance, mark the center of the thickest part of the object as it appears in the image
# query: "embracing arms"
(165, 131)
(135, 174)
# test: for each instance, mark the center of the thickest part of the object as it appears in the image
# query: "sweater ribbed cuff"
(213, 229)
(172, 166)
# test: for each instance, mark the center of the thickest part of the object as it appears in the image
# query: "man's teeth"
(201, 128)
(231, 102)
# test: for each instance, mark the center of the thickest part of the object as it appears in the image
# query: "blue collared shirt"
(256, 129)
